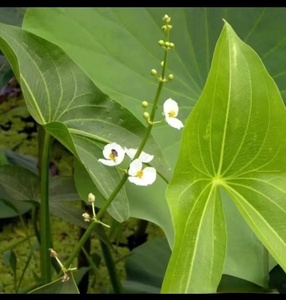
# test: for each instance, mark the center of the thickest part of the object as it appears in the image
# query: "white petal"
(174, 122)
(107, 149)
(135, 166)
(120, 153)
(149, 175)
(130, 152)
(170, 105)
(120, 156)
(143, 157)
(137, 181)
(107, 162)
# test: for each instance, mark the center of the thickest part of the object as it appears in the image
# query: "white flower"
(171, 110)
(141, 176)
(113, 153)
(143, 157)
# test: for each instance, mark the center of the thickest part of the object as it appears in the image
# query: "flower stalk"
(111, 160)
(45, 235)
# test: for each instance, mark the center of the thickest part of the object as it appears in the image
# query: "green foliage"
(145, 267)
(57, 92)
(234, 140)
(83, 74)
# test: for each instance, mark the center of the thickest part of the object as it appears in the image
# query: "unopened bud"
(166, 18)
(146, 115)
(170, 76)
(162, 63)
(153, 72)
(65, 277)
(161, 42)
(91, 198)
(164, 27)
(53, 253)
(171, 45)
(144, 104)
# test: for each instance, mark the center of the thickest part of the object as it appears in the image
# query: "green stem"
(106, 204)
(93, 225)
(116, 284)
(44, 149)
(83, 256)
(154, 108)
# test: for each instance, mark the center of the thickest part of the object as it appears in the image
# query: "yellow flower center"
(139, 174)
(113, 154)
(172, 114)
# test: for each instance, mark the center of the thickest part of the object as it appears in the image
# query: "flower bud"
(162, 63)
(144, 104)
(153, 72)
(65, 277)
(171, 45)
(161, 42)
(53, 253)
(164, 27)
(170, 76)
(167, 19)
(146, 115)
(91, 198)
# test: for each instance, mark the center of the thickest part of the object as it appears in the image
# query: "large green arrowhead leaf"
(62, 98)
(233, 141)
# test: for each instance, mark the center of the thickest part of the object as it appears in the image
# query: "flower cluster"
(114, 155)
(86, 216)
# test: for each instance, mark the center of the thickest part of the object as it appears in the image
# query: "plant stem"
(106, 204)
(82, 259)
(93, 225)
(116, 284)
(154, 107)
(44, 150)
